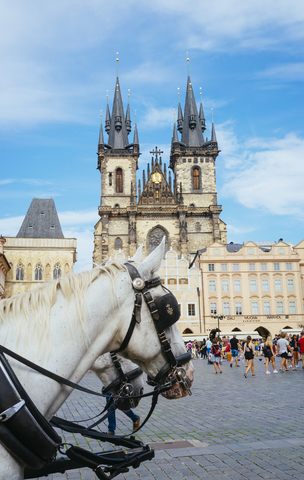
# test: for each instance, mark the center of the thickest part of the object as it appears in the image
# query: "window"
(290, 284)
(250, 251)
(278, 284)
(280, 309)
(197, 227)
(210, 267)
(292, 307)
(253, 285)
(56, 271)
(237, 285)
(119, 180)
(264, 267)
(281, 250)
(238, 308)
(195, 178)
(38, 272)
(224, 267)
(266, 308)
(191, 309)
(183, 281)
(171, 281)
(252, 267)
(117, 243)
(212, 286)
(226, 308)
(213, 308)
(265, 285)
(276, 266)
(225, 285)
(289, 266)
(180, 309)
(254, 308)
(19, 272)
(52, 227)
(216, 251)
(236, 267)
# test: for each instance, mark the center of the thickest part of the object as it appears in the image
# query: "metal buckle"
(10, 412)
(138, 283)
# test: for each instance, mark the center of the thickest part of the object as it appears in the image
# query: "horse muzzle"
(181, 379)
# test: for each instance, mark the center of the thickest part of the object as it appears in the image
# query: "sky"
(58, 63)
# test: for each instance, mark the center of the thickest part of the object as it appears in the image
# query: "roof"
(233, 247)
(41, 220)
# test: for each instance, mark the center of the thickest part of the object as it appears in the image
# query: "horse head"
(124, 378)
(147, 346)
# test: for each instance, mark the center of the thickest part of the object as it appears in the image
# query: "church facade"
(179, 203)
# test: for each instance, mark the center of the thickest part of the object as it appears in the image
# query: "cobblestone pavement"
(237, 428)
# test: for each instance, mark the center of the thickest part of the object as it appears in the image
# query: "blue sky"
(58, 61)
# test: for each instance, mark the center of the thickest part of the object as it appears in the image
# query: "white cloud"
(270, 176)
(157, 118)
(10, 226)
(286, 72)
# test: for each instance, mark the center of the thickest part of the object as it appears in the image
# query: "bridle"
(123, 382)
(165, 312)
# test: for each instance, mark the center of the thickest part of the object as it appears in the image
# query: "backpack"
(216, 350)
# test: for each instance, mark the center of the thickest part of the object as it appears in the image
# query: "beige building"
(4, 268)
(180, 204)
(254, 287)
(39, 252)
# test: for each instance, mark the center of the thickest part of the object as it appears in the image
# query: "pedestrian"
(112, 418)
(269, 355)
(249, 354)
(234, 350)
(301, 347)
(204, 350)
(295, 351)
(283, 349)
(216, 353)
(208, 345)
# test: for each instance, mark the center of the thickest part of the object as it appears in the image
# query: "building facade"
(180, 204)
(4, 268)
(254, 288)
(39, 252)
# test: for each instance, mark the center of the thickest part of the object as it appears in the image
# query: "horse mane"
(35, 305)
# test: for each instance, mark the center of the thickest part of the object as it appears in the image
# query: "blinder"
(168, 310)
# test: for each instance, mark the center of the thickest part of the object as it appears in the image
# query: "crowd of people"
(290, 349)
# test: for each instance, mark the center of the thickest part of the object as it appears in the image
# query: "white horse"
(65, 325)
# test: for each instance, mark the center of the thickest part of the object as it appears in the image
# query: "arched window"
(117, 243)
(38, 272)
(119, 180)
(19, 272)
(57, 271)
(195, 177)
(155, 239)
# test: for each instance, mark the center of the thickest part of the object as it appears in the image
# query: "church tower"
(182, 207)
(192, 160)
(117, 163)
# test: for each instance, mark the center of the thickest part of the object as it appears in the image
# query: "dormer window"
(192, 122)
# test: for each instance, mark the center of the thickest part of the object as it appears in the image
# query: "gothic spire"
(128, 119)
(202, 116)
(213, 134)
(108, 119)
(135, 140)
(180, 118)
(175, 136)
(118, 135)
(100, 142)
(192, 135)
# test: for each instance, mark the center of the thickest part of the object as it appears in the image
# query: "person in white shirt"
(282, 350)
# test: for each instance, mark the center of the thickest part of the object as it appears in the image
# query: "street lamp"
(219, 317)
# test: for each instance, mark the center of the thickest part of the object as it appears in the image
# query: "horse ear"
(137, 257)
(152, 263)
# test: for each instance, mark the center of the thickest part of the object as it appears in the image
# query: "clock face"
(156, 177)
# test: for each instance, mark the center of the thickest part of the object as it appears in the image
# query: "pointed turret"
(100, 141)
(192, 135)
(180, 118)
(135, 140)
(213, 134)
(108, 119)
(202, 117)
(118, 135)
(175, 136)
(128, 119)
